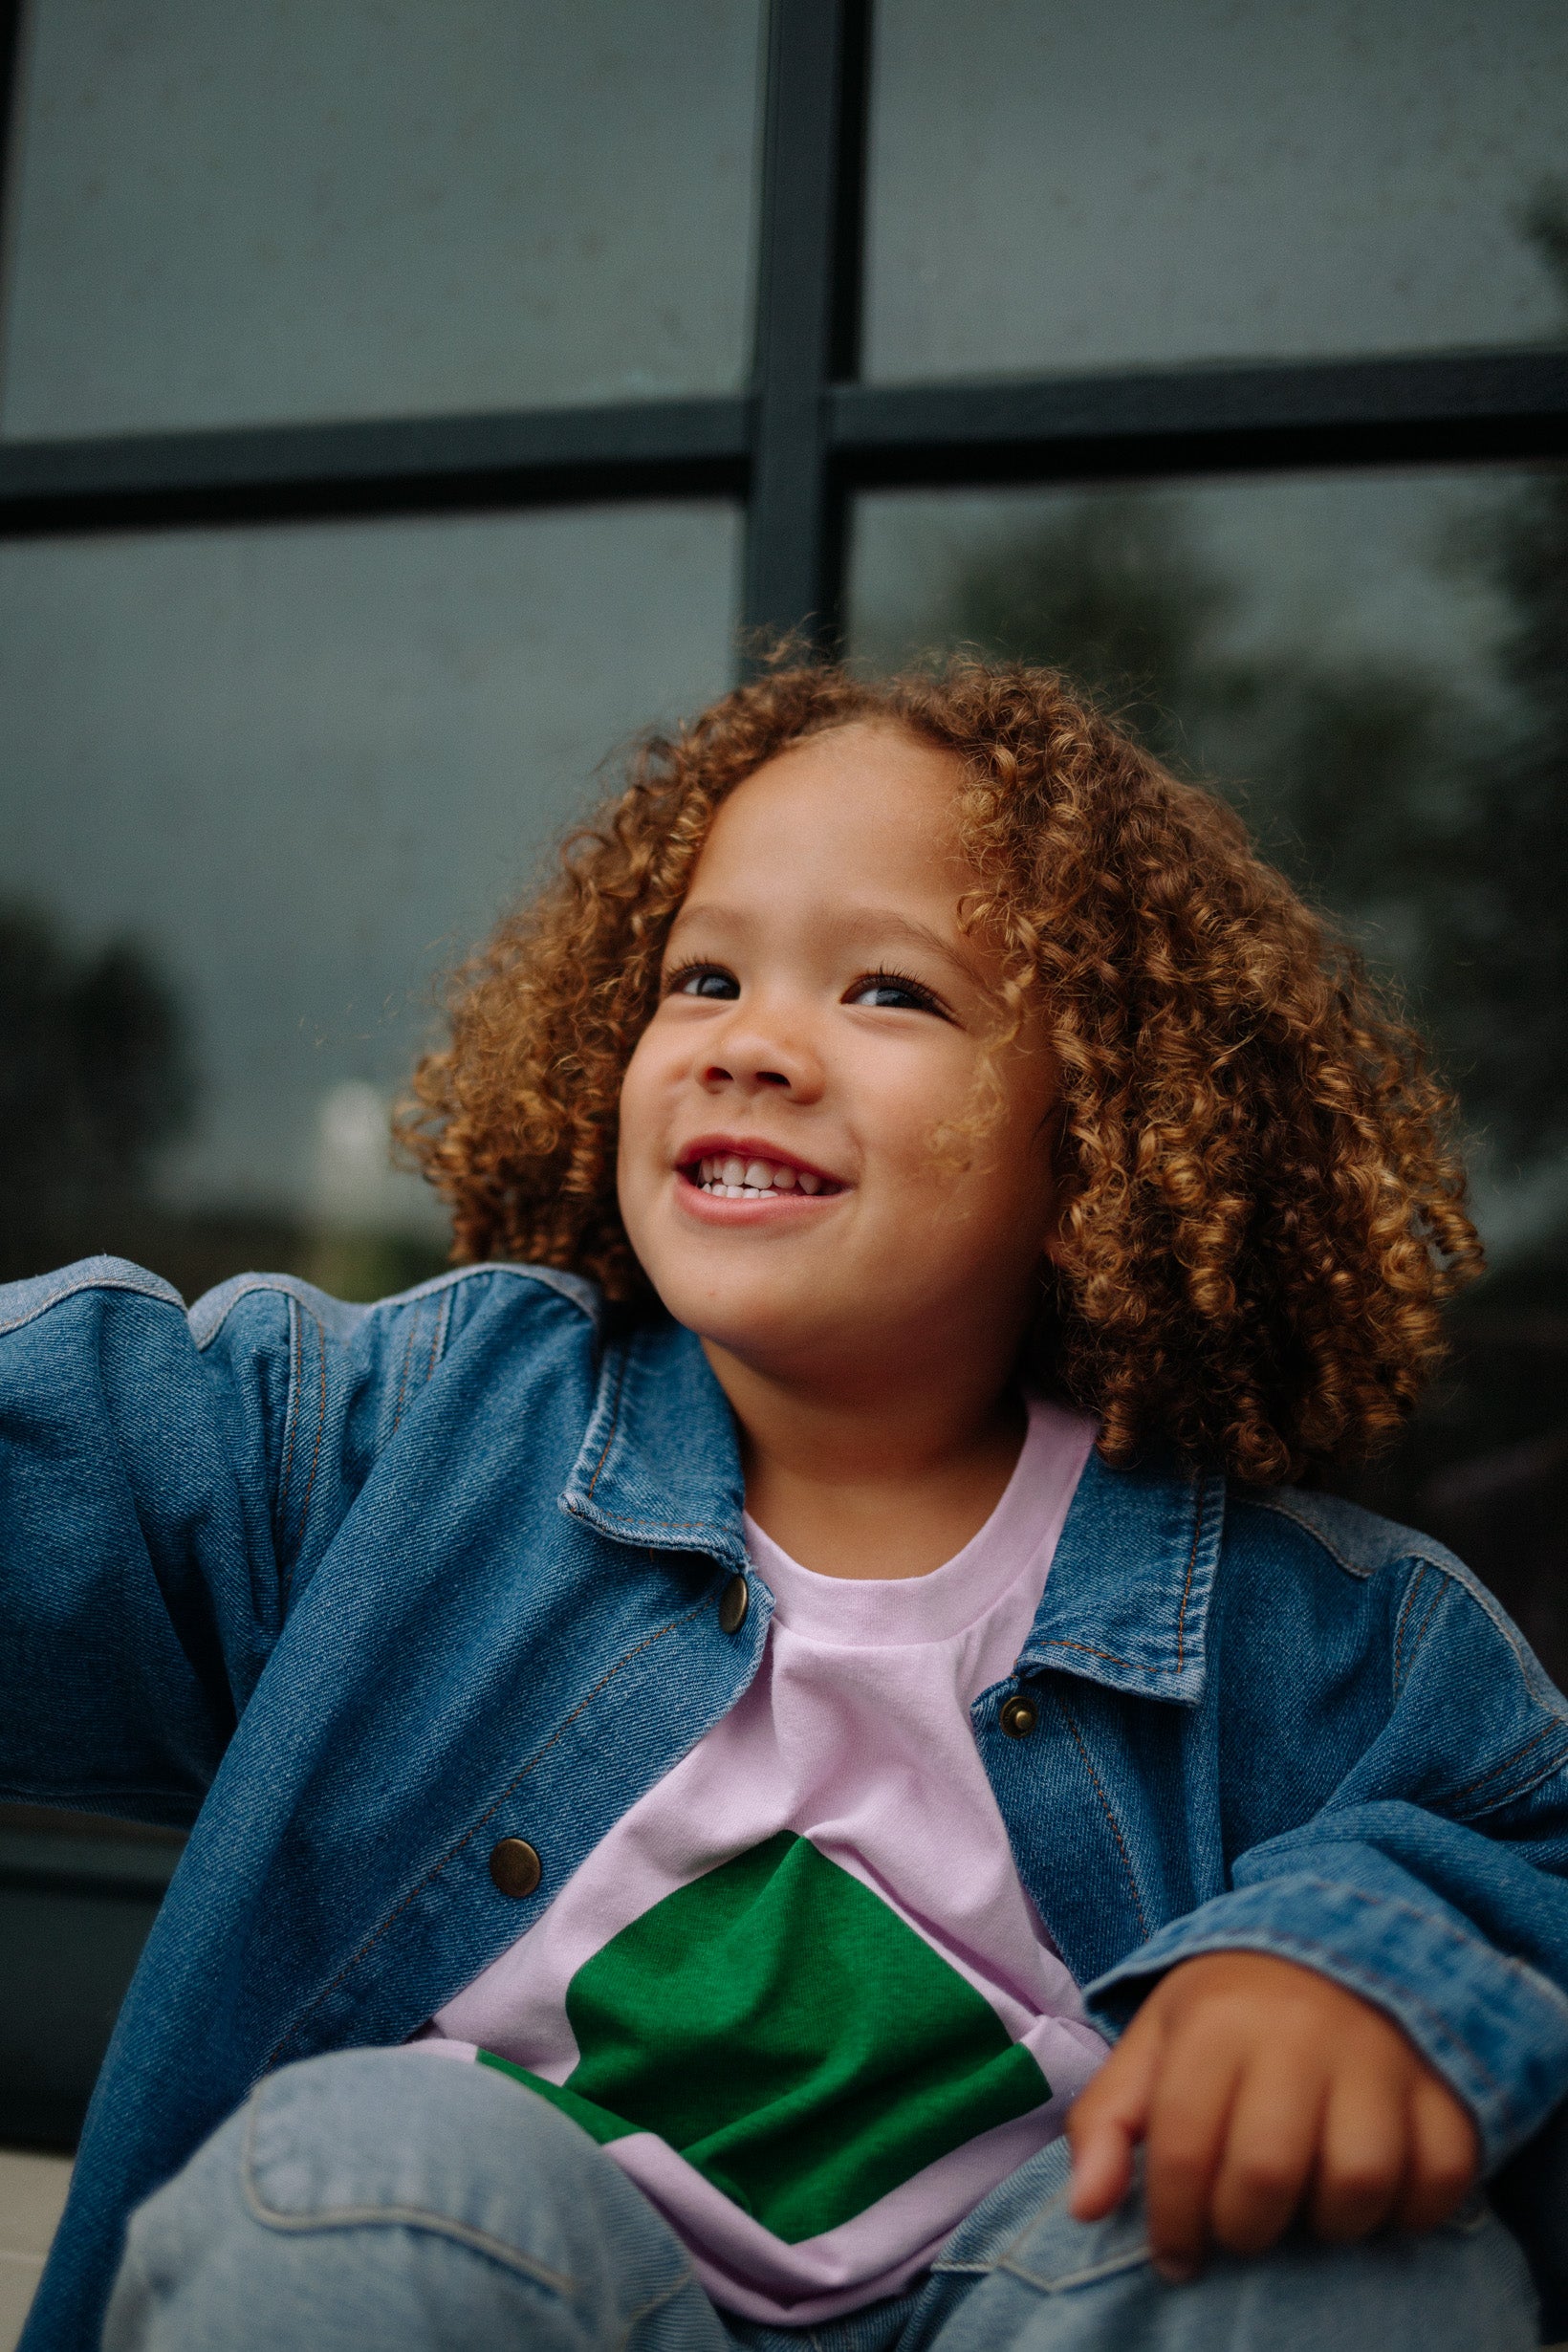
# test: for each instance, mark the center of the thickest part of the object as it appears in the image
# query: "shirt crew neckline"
(857, 1612)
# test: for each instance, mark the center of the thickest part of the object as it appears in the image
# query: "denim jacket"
(354, 1593)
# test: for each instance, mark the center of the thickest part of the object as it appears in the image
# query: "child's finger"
(1445, 2156)
(1109, 2118)
(1364, 2152)
(1185, 2137)
(1272, 2139)
(1101, 2170)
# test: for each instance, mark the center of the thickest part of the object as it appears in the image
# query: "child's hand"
(1258, 2086)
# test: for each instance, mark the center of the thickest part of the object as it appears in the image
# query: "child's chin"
(748, 1320)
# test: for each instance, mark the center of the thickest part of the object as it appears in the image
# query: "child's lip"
(751, 1147)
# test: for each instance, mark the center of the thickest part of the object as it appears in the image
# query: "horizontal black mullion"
(537, 457)
(1183, 420)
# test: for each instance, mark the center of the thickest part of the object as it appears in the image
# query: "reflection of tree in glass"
(1346, 767)
(1431, 815)
(95, 1078)
(1510, 917)
(1434, 828)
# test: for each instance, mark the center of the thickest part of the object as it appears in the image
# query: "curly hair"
(1262, 1210)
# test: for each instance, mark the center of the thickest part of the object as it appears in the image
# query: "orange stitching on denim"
(293, 1412)
(1105, 1807)
(436, 1338)
(1432, 1611)
(490, 1813)
(1507, 1765)
(1399, 1630)
(407, 1359)
(609, 1439)
(1110, 1657)
(1191, 1564)
(316, 1456)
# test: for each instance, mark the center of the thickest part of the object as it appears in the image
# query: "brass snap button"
(1020, 1716)
(734, 1603)
(515, 1867)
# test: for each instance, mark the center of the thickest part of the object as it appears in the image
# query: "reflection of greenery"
(1430, 814)
(1510, 916)
(1342, 764)
(94, 1077)
(1112, 591)
(1432, 821)
(367, 1266)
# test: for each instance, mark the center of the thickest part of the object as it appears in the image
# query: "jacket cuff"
(1495, 2029)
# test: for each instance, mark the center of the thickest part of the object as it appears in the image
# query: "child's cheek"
(638, 1155)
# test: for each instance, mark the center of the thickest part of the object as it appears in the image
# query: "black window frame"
(794, 449)
(807, 436)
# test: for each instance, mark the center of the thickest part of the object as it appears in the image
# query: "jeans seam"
(390, 2216)
(1136, 2257)
(1007, 2259)
(1003, 2258)
(666, 2294)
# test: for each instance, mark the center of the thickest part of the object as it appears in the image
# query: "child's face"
(822, 1017)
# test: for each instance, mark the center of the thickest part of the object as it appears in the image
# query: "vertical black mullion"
(10, 51)
(807, 311)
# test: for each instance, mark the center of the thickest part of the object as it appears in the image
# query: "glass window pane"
(224, 215)
(1081, 184)
(259, 786)
(1371, 666)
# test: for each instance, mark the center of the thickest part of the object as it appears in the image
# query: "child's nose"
(764, 1057)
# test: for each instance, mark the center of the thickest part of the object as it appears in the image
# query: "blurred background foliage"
(97, 1083)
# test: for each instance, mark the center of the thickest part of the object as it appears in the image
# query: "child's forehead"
(866, 776)
(838, 808)
(851, 846)
(874, 742)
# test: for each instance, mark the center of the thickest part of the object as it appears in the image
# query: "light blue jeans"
(379, 2201)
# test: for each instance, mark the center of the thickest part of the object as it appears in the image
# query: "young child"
(723, 1727)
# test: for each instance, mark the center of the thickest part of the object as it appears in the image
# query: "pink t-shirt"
(798, 1992)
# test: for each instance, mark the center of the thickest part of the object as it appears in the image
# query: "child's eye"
(892, 991)
(702, 980)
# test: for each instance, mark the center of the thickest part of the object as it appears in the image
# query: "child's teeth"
(738, 1180)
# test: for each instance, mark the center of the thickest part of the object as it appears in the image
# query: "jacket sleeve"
(150, 1471)
(1434, 1882)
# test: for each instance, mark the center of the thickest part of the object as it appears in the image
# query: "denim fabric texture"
(355, 1592)
(371, 2202)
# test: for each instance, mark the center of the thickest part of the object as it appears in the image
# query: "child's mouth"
(727, 1177)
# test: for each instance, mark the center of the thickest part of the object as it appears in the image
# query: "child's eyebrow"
(864, 928)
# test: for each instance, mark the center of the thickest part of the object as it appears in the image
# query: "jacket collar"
(1126, 1602)
(659, 1466)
